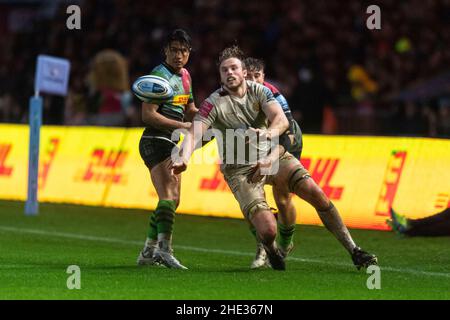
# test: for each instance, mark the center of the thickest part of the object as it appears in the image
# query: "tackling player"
(240, 102)
(283, 198)
(155, 148)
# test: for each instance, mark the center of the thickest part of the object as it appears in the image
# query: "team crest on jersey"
(256, 106)
(205, 109)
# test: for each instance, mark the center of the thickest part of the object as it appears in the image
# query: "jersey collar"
(168, 67)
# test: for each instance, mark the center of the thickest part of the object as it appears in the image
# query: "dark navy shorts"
(154, 150)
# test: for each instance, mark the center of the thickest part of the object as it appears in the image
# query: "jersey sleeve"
(157, 71)
(191, 95)
(284, 105)
(281, 100)
(207, 112)
(264, 95)
(187, 84)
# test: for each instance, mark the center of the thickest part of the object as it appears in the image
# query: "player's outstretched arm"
(194, 135)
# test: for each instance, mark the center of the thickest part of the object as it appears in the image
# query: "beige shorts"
(251, 196)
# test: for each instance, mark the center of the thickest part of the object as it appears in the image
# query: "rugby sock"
(150, 242)
(165, 216)
(333, 222)
(152, 231)
(285, 235)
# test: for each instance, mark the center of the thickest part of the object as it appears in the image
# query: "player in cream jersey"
(235, 116)
(242, 104)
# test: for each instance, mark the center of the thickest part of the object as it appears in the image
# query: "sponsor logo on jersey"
(205, 109)
(180, 99)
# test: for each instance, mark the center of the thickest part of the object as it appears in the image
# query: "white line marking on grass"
(197, 249)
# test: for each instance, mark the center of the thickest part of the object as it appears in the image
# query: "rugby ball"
(152, 89)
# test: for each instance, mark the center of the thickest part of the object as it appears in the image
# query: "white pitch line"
(219, 251)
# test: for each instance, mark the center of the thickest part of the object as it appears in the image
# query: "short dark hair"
(231, 52)
(253, 64)
(181, 36)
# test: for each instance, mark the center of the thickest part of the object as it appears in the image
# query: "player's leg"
(299, 181)
(308, 190)
(287, 214)
(434, 225)
(266, 228)
(166, 205)
(260, 259)
(156, 155)
(313, 194)
(167, 187)
(283, 197)
(265, 225)
(286, 218)
(251, 199)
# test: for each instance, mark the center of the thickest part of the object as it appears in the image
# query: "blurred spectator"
(109, 94)
(76, 108)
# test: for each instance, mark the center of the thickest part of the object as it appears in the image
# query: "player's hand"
(187, 125)
(178, 167)
(257, 176)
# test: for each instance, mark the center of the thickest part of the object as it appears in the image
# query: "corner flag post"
(52, 76)
(35, 121)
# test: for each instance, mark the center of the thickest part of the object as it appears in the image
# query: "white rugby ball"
(152, 89)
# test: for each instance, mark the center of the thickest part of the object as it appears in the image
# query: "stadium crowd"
(339, 76)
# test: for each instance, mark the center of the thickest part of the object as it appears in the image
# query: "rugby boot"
(363, 259)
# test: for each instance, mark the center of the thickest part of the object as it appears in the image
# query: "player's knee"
(268, 232)
(264, 222)
(173, 196)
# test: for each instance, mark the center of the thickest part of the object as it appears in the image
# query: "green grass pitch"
(104, 242)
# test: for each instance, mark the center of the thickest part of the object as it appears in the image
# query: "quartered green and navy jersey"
(181, 84)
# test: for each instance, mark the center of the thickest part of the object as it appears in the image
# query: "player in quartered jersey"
(156, 146)
(283, 198)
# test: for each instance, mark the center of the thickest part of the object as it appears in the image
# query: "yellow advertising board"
(13, 161)
(363, 176)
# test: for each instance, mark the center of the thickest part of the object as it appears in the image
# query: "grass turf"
(104, 243)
